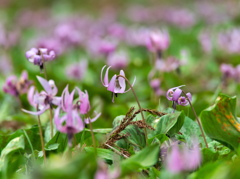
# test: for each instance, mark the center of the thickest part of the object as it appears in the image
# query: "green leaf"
(52, 147)
(220, 122)
(103, 153)
(14, 145)
(191, 129)
(135, 136)
(143, 159)
(169, 124)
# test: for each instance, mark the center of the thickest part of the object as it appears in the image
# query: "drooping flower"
(175, 95)
(15, 87)
(40, 56)
(117, 83)
(45, 99)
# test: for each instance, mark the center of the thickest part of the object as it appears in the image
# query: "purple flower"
(45, 99)
(73, 123)
(15, 87)
(116, 84)
(175, 95)
(82, 106)
(228, 71)
(104, 173)
(39, 56)
(158, 40)
(184, 159)
(155, 84)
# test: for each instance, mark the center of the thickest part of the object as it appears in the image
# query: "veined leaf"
(220, 122)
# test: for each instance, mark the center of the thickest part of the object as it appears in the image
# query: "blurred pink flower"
(104, 173)
(15, 87)
(169, 64)
(45, 99)
(157, 40)
(156, 86)
(183, 159)
(77, 70)
(118, 60)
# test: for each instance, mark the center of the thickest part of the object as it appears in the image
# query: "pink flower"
(116, 84)
(39, 56)
(82, 106)
(45, 99)
(184, 159)
(73, 123)
(15, 87)
(158, 40)
(77, 70)
(118, 60)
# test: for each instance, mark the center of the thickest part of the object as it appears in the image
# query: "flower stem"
(30, 144)
(139, 106)
(198, 121)
(41, 138)
(93, 138)
(51, 122)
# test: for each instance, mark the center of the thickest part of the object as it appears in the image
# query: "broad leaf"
(168, 124)
(145, 158)
(220, 122)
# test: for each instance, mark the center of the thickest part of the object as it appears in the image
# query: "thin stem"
(30, 144)
(139, 106)
(198, 121)
(44, 68)
(93, 138)
(44, 71)
(51, 122)
(41, 139)
(116, 151)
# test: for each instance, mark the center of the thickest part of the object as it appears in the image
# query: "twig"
(116, 151)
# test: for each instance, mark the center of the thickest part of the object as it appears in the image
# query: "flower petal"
(134, 80)
(37, 113)
(45, 84)
(112, 84)
(122, 82)
(176, 94)
(88, 120)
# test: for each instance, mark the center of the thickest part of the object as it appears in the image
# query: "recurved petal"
(37, 113)
(176, 94)
(134, 80)
(45, 84)
(112, 84)
(122, 82)
(89, 120)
